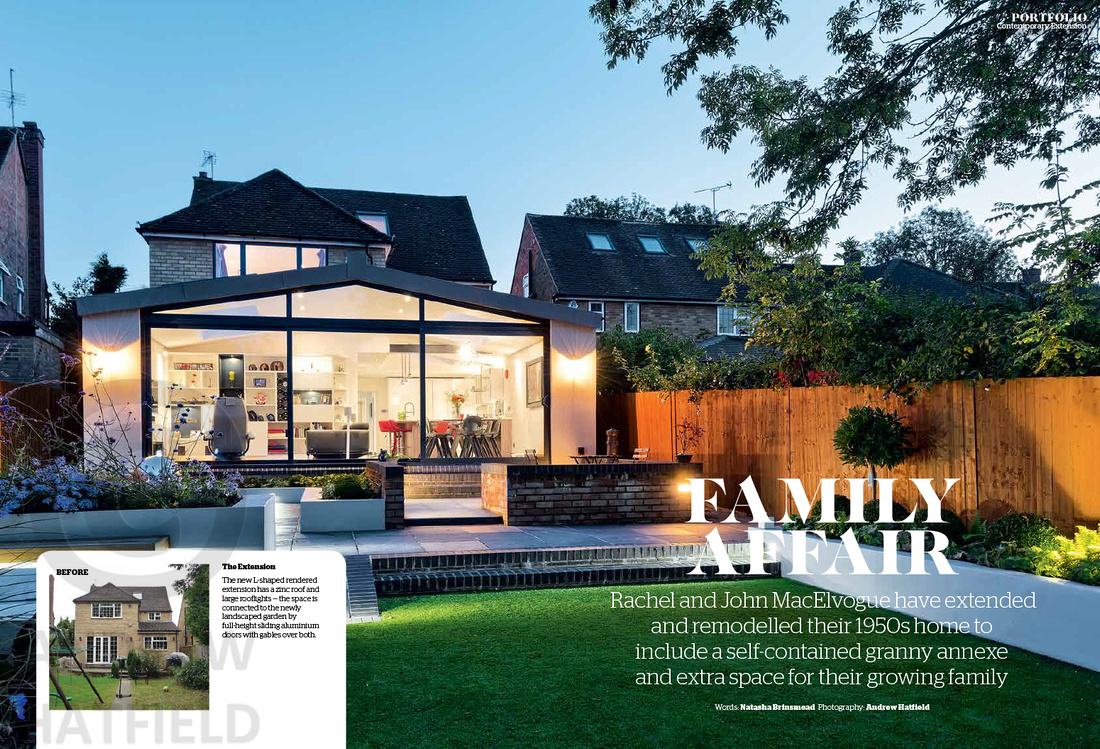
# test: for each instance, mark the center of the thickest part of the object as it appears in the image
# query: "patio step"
(362, 593)
(475, 520)
(417, 574)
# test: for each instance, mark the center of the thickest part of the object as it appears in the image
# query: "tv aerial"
(12, 98)
(209, 159)
(713, 190)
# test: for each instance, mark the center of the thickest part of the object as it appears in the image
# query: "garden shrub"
(195, 675)
(1076, 559)
(871, 509)
(349, 486)
(114, 670)
(952, 526)
(150, 666)
(1025, 530)
(841, 504)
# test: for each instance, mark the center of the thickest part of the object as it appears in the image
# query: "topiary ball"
(841, 506)
(1025, 529)
(870, 511)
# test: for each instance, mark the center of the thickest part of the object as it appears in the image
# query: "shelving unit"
(320, 394)
(265, 397)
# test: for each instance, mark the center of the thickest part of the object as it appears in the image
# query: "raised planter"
(249, 524)
(337, 515)
(1062, 626)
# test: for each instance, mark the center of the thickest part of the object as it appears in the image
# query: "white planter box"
(1062, 626)
(339, 515)
(249, 524)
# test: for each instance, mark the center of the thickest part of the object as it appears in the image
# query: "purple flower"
(19, 702)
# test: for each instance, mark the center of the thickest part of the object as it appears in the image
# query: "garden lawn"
(80, 695)
(152, 696)
(556, 667)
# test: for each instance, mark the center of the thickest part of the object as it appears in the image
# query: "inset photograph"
(123, 642)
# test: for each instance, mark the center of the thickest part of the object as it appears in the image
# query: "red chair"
(397, 435)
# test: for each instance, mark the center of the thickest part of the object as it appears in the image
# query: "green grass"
(80, 695)
(556, 667)
(152, 696)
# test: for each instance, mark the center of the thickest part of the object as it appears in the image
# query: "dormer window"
(379, 221)
(653, 245)
(600, 242)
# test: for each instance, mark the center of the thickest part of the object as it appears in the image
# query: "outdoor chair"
(229, 438)
(640, 453)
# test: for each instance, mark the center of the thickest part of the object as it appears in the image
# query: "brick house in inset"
(28, 348)
(111, 620)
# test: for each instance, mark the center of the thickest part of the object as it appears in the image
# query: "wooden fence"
(1032, 444)
(37, 404)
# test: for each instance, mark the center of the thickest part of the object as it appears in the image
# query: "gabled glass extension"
(344, 371)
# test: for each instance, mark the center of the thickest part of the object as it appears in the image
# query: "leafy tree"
(68, 627)
(638, 208)
(944, 77)
(872, 437)
(948, 240)
(195, 587)
(102, 278)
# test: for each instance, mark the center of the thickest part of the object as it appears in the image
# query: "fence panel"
(1033, 444)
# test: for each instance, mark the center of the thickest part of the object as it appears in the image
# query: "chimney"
(202, 175)
(31, 143)
(1032, 276)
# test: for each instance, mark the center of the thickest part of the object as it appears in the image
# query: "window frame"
(526, 285)
(690, 240)
(96, 649)
(154, 616)
(150, 642)
(737, 315)
(99, 607)
(243, 255)
(20, 295)
(385, 217)
(592, 308)
(637, 317)
(655, 238)
(610, 245)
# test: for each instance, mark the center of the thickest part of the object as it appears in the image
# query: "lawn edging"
(1062, 626)
(249, 524)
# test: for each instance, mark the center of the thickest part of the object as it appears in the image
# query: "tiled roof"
(433, 235)
(271, 205)
(628, 271)
(152, 598)
(157, 626)
(109, 593)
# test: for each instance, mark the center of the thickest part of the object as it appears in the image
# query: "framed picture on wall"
(534, 382)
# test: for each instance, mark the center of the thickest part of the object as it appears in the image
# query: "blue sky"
(509, 103)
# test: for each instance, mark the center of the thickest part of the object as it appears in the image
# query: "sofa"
(333, 443)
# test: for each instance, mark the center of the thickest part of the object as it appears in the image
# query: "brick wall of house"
(33, 356)
(125, 629)
(175, 260)
(14, 228)
(691, 320)
(529, 259)
(588, 494)
(32, 144)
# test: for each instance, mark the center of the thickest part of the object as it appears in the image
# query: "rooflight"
(600, 242)
(379, 221)
(653, 245)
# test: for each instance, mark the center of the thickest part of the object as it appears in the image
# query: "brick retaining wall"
(644, 492)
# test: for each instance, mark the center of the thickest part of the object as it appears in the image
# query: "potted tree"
(688, 436)
(873, 437)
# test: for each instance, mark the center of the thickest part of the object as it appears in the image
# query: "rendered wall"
(572, 390)
(112, 404)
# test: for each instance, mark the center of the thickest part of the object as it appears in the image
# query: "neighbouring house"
(29, 350)
(338, 362)
(639, 276)
(111, 620)
(273, 223)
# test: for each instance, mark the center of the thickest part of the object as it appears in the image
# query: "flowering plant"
(457, 399)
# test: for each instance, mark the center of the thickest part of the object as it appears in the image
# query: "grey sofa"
(332, 443)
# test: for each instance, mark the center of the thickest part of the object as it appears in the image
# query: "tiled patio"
(458, 538)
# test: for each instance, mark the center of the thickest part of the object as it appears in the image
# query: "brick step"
(548, 557)
(424, 582)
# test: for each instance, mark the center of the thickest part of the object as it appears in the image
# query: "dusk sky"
(509, 103)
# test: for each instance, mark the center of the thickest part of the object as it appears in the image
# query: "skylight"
(696, 243)
(601, 242)
(653, 245)
(379, 221)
